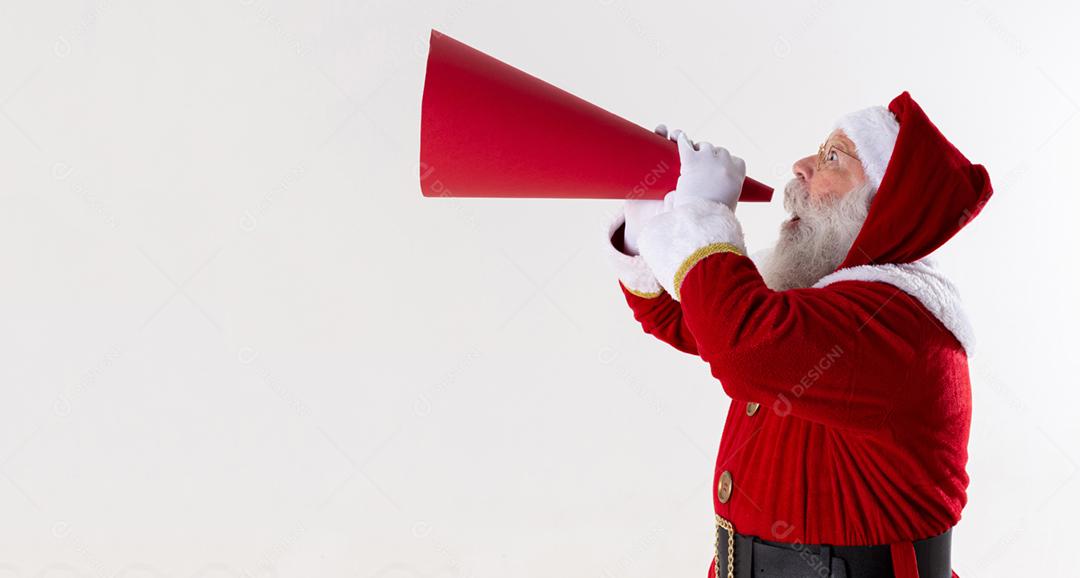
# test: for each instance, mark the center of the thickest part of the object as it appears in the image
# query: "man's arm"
(796, 351)
(658, 314)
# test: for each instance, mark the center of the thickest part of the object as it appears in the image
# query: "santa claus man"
(844, 350)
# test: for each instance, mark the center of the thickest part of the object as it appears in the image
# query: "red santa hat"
(928, 190)
(873, 130)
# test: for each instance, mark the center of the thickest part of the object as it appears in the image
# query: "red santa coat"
(851, 399)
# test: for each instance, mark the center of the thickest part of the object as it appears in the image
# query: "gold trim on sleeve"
(696, 256)
(646, 295)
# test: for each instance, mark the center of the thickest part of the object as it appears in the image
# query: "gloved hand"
(639, 211)
(705, 171)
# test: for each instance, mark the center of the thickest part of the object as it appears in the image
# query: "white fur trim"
(873, 130)
(922, 281)
(631, 269)
(669, 239)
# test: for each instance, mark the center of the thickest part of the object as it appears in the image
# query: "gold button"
(723, 489)
(751, 408)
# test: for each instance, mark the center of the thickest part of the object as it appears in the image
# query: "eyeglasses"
(827, 155)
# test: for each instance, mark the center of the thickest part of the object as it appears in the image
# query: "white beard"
(816, 239)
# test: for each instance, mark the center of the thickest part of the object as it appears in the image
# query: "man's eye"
(832, 156)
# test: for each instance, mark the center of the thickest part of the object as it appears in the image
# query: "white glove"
(639, 211)
(705, 171)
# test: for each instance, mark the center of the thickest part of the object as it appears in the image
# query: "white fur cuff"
(632, 270)
(673, 242)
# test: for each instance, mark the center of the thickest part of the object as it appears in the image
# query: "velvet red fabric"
(930, 190)
(865, 400)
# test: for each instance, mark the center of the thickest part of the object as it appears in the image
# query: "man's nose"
(804, 168)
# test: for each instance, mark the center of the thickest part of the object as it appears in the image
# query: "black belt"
(759, 558)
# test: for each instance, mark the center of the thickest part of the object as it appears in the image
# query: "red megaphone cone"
(488, 129)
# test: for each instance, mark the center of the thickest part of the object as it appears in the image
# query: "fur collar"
(921, 280)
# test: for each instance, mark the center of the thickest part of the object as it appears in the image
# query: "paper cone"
(488, 129)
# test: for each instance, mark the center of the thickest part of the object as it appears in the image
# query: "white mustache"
(795, 193)
(797, 201)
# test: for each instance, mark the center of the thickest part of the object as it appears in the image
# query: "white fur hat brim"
(873, 130)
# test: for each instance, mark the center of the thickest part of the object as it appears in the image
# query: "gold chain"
(722, 523)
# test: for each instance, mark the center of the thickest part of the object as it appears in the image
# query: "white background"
(238, 342)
